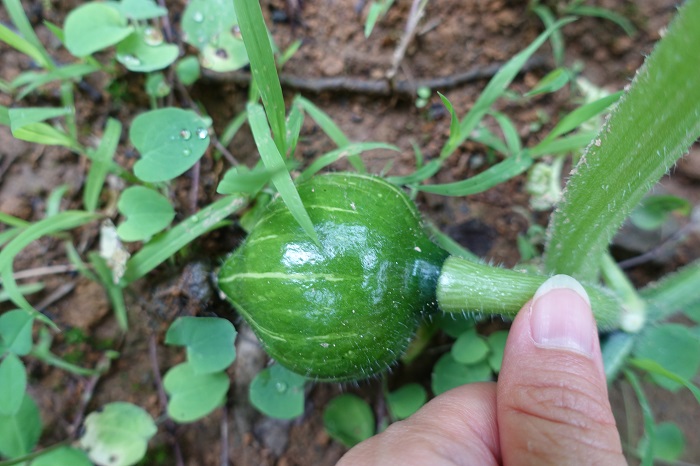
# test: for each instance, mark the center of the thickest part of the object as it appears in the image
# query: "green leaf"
(262, 65)
(499, 173)
(674, 347)
(274, 162)
(510, 133)
(16, 332)
(100, 164)
(24, 116)
(551, 82)
(557, 38)
(449, 374)
(20, 20)
(140, 9)
(13, 383)
(349, 150)
(59, 222)
(164, 246)
(115, 293)
(377, 9)
(156, 86)
(589, 10)
(241, 180)
(117, 435)
(469, 348)
(348, 419)
(94, 26)
(204, 20)
(653, 211)
(668, 440)
(497, 343)
(654, 367)
(170, 140)
(277, 392)
(20, 432)
(144, 51)
(22, 45)
(209, 341)
(63, 73)
(193, 395)
(651, 127)
(147, 212)
(582, 114)
(406, 400)
(187, 70)
(45, 134)
(63, 456)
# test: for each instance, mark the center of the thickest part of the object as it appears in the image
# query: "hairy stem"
(467, 286)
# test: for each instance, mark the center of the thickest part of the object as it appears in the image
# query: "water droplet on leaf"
(198, 17)
(130, 60)
(281, 387)
(152, 36)
(186, 152)
(185, 134)
(202, 133)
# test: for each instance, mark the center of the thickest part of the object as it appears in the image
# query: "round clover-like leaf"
(469, 348)
(13, 383)
(193, 395)
(278, 392)
(209, 342)
(144, 51)
(349, 419)
(449, 374)
(406, 400)
(170, 141)
(147, 212)
(63, 456)
(226, 54)
(674, 347)
(141, 9)
(187, 70)
(16, 332)
(203, 20)
(118, 435)
(20, 432)
(94, 26)
(497, 343)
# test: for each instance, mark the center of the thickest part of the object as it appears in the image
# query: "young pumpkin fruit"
(346, 308)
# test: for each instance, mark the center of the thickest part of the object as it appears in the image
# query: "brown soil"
(453, 37)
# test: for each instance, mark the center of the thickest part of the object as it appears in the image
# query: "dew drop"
(202, 133)
(152, 36)
(281, 387)
(185, 134)
(130, 60)
(198, 17)
(236, 32)
(186, 152)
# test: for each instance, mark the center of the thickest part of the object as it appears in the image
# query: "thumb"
(552, 398)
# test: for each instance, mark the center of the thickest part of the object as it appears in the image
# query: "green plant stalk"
(673, 293)
(472, 287)
(652, 126)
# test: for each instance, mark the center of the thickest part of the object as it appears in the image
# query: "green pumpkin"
(349, 308)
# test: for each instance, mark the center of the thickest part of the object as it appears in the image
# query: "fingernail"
(561, 318)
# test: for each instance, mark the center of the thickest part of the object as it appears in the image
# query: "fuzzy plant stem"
(468, 286)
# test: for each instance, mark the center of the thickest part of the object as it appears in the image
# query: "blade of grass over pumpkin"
(557, 38)
(352, 149)
(654, 367)
(21, 22)
(510, 134)
(100, 164)
(651, 127)
(60, 222)
(499, 173)
(486, 137)
(647, 415)
(589, 10)
(262, 65)
(329, 127)
(161, 248)
(563, 145)
(273, 161)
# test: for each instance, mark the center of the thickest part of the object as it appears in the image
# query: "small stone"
(332, 65)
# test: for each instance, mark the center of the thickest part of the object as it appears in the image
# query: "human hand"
(549, 407)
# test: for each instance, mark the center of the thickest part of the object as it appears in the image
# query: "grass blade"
(274, 163)
(59, 222)
(164, 246)
(100, 164)
(582, 114)
(651, 127)
(350, 150)
(262, 65)
(19, 19)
